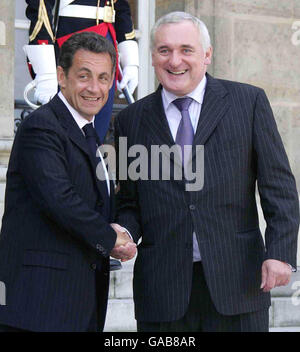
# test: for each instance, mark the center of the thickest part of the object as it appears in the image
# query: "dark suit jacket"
(241, 147)
(55, 227)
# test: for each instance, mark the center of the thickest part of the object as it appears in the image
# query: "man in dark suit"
(202, 264)
(56, 236)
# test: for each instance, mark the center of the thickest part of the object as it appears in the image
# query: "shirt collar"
(197, 94)
(81, 121)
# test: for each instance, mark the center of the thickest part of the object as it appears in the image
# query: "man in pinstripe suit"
(56, 235)
(202, 264)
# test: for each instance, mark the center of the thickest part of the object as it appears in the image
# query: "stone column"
(7, 19)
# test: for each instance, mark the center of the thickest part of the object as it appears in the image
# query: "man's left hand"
(274, 273)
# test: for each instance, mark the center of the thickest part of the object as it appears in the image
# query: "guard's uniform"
(111, 19)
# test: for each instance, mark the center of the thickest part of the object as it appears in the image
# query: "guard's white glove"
(129, 59)
(42, 59)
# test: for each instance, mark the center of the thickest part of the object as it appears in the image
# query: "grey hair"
(177, 17)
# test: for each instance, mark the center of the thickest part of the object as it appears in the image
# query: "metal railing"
(26, 110)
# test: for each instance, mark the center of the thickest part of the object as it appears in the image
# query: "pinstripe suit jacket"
(54, 227)
(242, 147)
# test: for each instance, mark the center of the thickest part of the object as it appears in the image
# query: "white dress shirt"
(174, 116)
(81, 122)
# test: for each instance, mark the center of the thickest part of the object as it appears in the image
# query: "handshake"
(125, 248)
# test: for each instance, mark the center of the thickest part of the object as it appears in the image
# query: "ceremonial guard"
(54, 21)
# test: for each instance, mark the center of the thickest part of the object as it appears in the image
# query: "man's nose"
(175, 59)
(93, 86)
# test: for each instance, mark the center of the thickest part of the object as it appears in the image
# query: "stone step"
(120, 316)
(285, 310)
(121, 284)
(284, 313)
(120, 309)
(286, 329)
(121, 281)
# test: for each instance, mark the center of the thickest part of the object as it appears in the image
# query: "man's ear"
(61, 77)
(208, 56)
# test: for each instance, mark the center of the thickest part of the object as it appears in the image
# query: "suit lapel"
(76, 135)
(68, 123)
(156, 124)
(155, 121)
(213, 109)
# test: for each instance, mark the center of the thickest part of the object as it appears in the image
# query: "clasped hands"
(125, 248)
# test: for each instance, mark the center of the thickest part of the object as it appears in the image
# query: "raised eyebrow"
(104, 74)
(84, 69)
(184, 46)
(187, 46)
(163, 47)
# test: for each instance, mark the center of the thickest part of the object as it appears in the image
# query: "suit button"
(192, 207)
(94, 266)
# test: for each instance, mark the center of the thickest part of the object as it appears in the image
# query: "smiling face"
(178, 57)
(86, 85)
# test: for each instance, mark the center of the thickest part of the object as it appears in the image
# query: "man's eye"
(104, 79)
(163, 51)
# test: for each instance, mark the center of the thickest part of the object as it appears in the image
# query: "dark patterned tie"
(93, 142)
(91, 138)
(185, 132)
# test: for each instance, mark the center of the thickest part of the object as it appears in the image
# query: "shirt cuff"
(291, 267)
(128, 233)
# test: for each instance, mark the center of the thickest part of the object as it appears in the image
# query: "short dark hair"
(89, 41)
